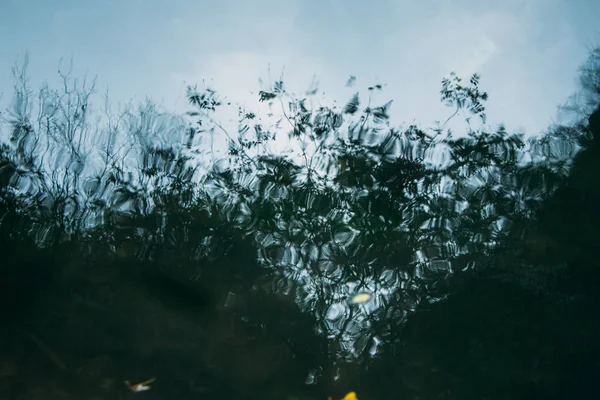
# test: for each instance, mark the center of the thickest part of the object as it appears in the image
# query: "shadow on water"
(125, 258)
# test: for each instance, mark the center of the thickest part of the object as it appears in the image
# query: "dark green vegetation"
(131, 249)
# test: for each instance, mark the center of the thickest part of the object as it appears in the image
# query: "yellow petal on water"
(351, 395)
(360, 298)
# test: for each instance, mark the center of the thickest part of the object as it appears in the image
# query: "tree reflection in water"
(399, 263)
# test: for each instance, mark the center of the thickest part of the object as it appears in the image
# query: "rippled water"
(134, 253)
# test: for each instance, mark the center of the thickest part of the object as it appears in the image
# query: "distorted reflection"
(310, 263)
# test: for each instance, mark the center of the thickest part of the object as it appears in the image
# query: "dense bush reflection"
(134, 247)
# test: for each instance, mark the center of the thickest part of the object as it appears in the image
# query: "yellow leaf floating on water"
(140, 387)
(349, 396)
(357, 299)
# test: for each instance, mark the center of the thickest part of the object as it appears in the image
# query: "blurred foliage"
(411, 217)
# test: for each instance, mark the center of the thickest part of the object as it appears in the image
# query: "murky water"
(396, 264)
